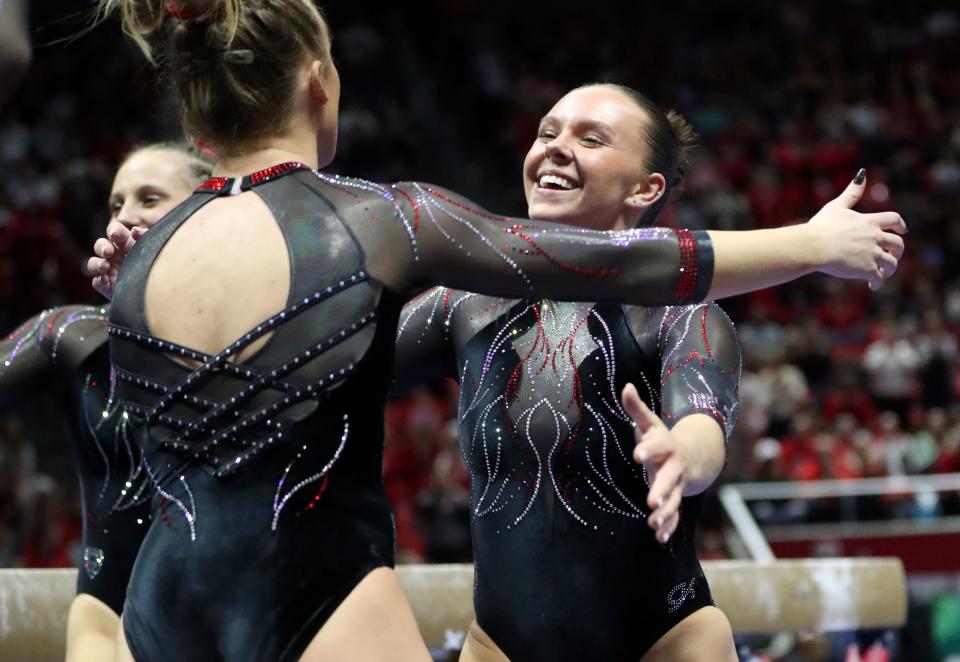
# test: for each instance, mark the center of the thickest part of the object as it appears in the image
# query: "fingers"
(103, 285)
(110, 251)
(888, 220)
(120, 235)
(667, 527)
(637, 409)
(104, 248)
(854, 191)
(664, 520)
(95, 266)
(669, 475)
(886, 265)
(652, 448)
(892, 243)
(631, 401)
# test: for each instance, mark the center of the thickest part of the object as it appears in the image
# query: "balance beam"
(817, 595)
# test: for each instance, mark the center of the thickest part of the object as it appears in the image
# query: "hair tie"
(192, 12)
(238, 56)
(202, 145)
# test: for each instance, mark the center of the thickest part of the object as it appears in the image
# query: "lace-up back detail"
(222, 413)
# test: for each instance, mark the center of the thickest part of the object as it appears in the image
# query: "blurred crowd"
(789, 99)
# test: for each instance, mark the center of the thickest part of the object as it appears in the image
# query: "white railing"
(735, 496)
(745, 524)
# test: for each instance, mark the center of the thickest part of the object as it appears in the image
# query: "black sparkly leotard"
(567, 568)
(63, 351)
(270, 469)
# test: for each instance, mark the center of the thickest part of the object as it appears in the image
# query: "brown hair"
(669, 137)
(231, 63)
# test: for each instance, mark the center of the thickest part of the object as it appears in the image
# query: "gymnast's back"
(252, 332)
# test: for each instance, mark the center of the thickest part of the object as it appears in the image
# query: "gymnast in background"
(64, 351)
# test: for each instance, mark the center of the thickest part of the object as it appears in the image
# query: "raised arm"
(31, 358)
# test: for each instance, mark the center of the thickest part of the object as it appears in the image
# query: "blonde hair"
(232, 64)
(199, 164)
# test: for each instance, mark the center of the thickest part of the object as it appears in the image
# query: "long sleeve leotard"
(63, 351)
(567, 568)
(270, 469)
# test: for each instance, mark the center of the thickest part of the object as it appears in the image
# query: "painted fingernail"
(861, 175)
(642, 455)
(660, 502)
(666, 537)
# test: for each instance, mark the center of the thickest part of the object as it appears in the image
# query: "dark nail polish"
(861, 175)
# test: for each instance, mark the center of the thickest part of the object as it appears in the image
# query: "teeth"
(562, 182)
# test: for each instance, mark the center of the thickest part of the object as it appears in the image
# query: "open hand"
(664, 461)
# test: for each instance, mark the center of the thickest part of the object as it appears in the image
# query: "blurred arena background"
(789, 98)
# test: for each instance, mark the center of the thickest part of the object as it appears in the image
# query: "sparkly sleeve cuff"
(696, 266)
(700, 403)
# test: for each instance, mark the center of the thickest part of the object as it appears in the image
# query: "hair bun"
(233, 65)
(686, 138)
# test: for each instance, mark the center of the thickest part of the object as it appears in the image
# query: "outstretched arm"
(457, 244)
(464, 247)
(837, 241)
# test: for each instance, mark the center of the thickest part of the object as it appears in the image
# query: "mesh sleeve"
(700, 365)
(455, 243)
(424, 350)
(31, 356)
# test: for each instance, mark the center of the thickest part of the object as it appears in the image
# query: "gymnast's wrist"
(698, 439)
(810, 247)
